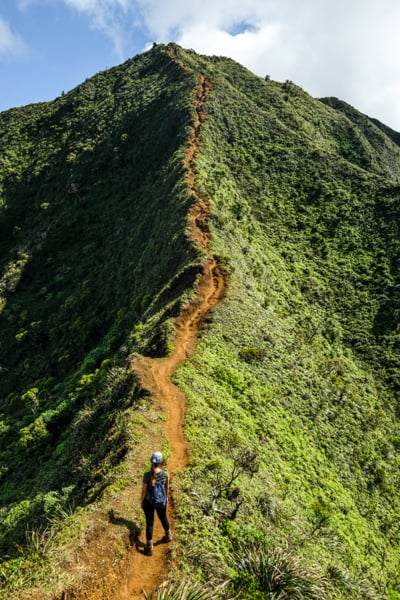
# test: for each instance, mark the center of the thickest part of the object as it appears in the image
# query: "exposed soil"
(138, 575)
(154, 374)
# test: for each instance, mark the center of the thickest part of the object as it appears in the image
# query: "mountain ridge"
(294, 381)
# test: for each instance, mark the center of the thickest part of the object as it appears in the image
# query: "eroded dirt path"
(155, 374)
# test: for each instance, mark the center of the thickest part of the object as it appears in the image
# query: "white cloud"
(248, 46)
(346, 48)
(170, 18)
(11, 44)
(107, 16)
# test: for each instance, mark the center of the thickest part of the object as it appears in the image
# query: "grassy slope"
(301, 363)
(94, 262)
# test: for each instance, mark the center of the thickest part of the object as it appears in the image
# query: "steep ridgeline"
(292, 415)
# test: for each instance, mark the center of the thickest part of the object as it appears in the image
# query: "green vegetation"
(300, 364)
(293, 391)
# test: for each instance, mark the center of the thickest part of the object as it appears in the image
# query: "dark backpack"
(158, 493)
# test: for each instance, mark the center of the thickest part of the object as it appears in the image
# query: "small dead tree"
(226, 497)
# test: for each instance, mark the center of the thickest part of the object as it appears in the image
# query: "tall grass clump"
(274, 574)
(185, 588)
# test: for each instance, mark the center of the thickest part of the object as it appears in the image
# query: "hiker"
(155, 498)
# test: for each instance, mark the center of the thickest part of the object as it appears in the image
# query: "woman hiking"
(155, 498)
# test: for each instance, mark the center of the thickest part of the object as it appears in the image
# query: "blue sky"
(344, 48)
(53, 48)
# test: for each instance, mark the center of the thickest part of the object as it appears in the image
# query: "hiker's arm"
(144, 492)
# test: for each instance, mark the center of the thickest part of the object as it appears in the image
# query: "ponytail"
(153, 475)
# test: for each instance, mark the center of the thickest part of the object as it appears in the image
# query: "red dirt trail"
(154, 374)
(137, 576)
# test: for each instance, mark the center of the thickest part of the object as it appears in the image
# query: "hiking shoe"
(148, 550)
(167, 537)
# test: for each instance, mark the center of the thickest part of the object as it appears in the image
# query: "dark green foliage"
(364, 122)
(82, 221)
(251, 354)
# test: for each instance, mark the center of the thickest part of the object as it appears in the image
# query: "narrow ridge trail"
(155, 374)
(137, 576)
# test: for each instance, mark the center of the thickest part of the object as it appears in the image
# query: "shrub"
(251, 354)
(274, 572)
(178, 589)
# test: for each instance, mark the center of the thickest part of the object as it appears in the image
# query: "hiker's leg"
(162, 515)
(149, 514)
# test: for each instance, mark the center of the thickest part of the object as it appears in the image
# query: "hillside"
(292, 390)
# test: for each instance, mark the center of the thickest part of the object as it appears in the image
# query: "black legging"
(149, 514)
